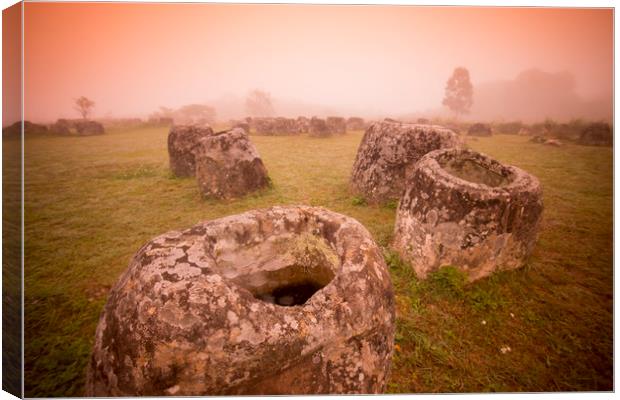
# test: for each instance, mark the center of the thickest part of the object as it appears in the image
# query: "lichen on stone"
(187, 317)
(465, 209)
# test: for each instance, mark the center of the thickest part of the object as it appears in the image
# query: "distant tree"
(84, 106)
(196, 113)
(258, 104)
(459, 92)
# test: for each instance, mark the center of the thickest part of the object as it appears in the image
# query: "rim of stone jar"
(414, 125)
(336, 286)
(521, 180)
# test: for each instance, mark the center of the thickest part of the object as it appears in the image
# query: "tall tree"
(84, 106)
(258, 104)
(459, 92)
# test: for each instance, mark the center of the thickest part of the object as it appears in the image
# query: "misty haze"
(527, 64)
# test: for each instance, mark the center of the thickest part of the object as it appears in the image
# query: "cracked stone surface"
(183, 141)
(387, 154)
(463, 208)
(193, 315)
(228, 165)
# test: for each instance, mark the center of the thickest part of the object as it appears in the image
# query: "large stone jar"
(183, 142)
(463, 208)
(286, 300)
(388, 153)
(228, 165)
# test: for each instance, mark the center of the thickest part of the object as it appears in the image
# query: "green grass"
(91, 202)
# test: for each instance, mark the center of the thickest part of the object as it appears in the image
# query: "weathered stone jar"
(183, 141)
(336, 124)
(286, 300)
(228, 165)
(319, 128)
(465, 209)
(387, 154)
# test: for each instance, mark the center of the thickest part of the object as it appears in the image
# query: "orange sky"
(11, 65)
(132, 58)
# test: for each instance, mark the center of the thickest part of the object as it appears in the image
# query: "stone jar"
(387, 154)
(228, 165)
(285, 300)
(463, 208)
(336, 124)
(183, 140)
(319, 128)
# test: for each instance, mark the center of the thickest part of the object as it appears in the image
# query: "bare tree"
(84, 106)
(258, 104)
(459, 92)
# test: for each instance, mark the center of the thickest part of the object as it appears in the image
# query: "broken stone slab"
(465, 209)
(285, 300)
(228, 165)
(183, 142)
(388, 152)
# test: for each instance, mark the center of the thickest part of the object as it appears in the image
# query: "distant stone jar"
(480, 129)
(387, 154)
(319, 128)
(463, 208)
(286, 300)
(228, 165)
(88, 128)
(596, 134)
(356, 124)
(336, 124)
(183, 142)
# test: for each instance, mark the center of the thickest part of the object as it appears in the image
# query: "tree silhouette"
(84, 106)
(258, 104)
(459, 92)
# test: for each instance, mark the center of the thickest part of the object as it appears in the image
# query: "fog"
(372, 61)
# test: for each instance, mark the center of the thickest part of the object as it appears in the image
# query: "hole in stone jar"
(289, 286)
(286, 271)
(292, 295)
(476, 172)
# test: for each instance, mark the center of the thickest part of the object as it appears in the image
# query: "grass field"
(91, 202)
